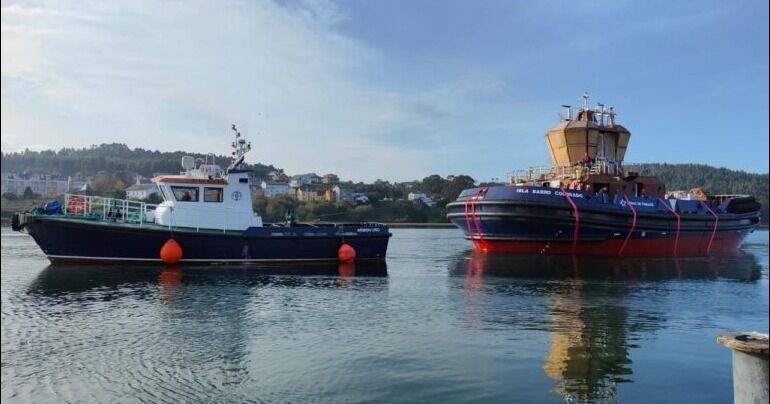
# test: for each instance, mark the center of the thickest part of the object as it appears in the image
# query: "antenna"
(601, 112)
(240, 148)
(585, 98)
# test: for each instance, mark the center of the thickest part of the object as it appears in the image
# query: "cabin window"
(163, 194)
(212, 194)
(185, 194)
(640, 191)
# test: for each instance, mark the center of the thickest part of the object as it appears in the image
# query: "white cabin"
(206, 197)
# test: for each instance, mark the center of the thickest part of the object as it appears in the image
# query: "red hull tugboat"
(588, 203)
(206, 217)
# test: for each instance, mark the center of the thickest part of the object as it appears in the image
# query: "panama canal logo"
(236, 195)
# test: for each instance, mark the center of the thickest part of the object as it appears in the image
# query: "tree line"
(107, 157)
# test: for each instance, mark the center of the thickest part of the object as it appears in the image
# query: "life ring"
(76, 205)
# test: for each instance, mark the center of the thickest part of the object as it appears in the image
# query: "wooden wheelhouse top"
(189, 180)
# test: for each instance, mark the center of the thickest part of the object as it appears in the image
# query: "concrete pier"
(750, 366)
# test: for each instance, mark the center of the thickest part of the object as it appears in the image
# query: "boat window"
(163, 194)
(185, 194)
(212, 194)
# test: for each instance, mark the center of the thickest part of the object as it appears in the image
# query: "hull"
(69, 240)
(536, 220)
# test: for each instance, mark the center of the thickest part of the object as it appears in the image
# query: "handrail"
(567, 171)
(119, 210)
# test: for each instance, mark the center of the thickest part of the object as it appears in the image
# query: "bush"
(28, 194)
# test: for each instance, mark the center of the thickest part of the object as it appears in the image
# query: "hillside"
(112, 157)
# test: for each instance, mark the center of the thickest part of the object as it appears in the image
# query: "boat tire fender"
(743, 205)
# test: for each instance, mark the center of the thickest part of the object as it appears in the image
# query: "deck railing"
(108, 209)
(547, 173)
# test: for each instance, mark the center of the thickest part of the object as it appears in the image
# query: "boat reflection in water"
(58, 280)
(593, 308)
(189, 324)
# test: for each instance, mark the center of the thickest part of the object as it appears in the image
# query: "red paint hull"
(725, 244)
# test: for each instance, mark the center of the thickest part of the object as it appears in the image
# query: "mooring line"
(633, 226)
(577, 220)
(716, 225)
(678, 225)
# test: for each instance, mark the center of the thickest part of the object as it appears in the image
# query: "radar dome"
(188, 162)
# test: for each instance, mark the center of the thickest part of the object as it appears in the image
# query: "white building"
(141, 191)
(42, 184)
(341, 194)
(421, 197)
(360, 198)
(297, 181)
(278, 176)
(273, 188)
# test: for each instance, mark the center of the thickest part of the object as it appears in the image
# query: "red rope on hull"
(470, 216)
(716, 225)
(476, 221)
(633, 226)
(577, 220)
(678, 224)
(468, 223)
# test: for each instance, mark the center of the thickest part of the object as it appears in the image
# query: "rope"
(577, 220)
(678, 224)
(716, 224)
(476, 221)
(468, 222)
(633, 226)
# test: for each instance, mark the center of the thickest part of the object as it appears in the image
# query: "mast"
(240, 148)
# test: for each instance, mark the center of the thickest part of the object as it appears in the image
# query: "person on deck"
(604, 195)
(587, 160)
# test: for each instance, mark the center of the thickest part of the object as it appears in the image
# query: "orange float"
(346, 253)
(76, 205)
(171, 252)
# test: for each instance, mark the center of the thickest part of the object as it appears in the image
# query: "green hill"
(112, 157)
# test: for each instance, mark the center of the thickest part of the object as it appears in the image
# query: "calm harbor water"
(437, 324)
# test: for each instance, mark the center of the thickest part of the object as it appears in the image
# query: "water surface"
(436, 324)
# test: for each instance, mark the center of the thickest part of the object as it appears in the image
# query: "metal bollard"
(750, 369)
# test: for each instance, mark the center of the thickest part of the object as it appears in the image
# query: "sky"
(392, 90)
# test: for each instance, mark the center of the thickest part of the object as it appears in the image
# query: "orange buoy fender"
(346, 253)
(171, 252)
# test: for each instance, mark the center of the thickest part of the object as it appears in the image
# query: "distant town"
(308, 187)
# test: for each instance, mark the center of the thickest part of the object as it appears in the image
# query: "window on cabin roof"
(185, 194)
(212, 194)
